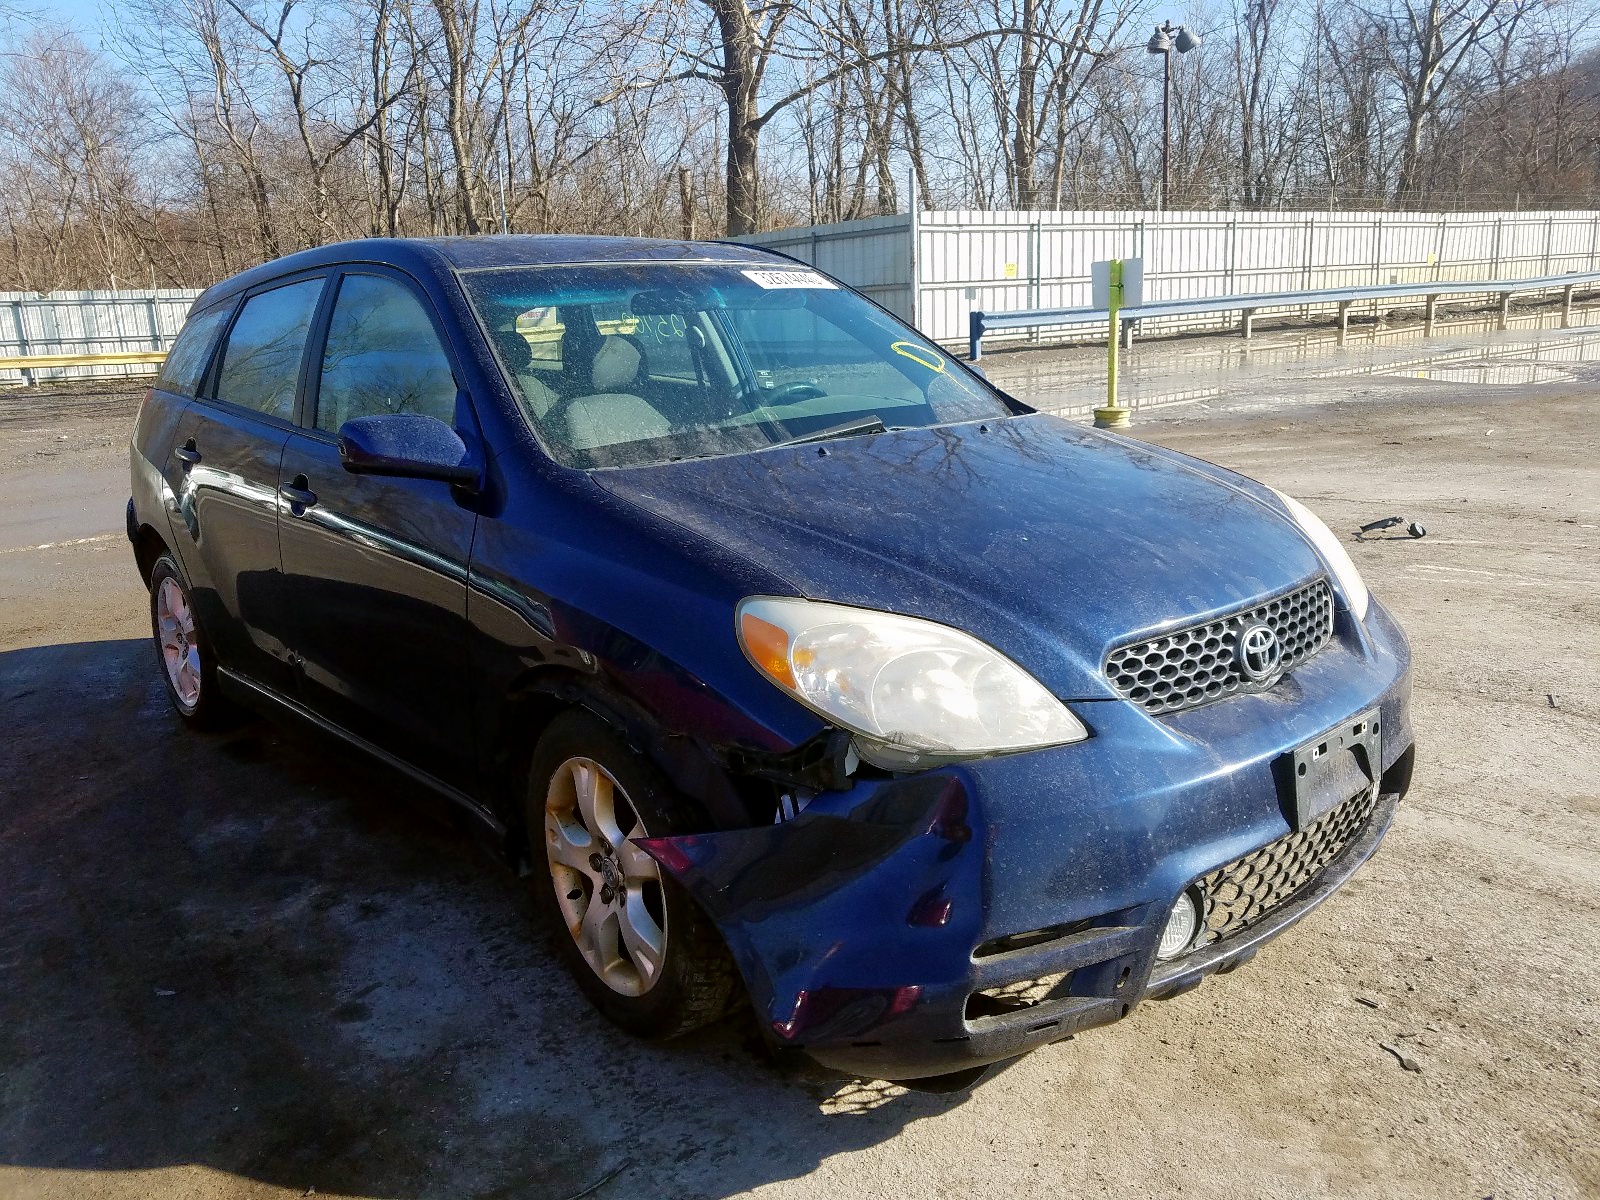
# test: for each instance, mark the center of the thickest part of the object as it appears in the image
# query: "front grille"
(1199, 664)
(1240, 894)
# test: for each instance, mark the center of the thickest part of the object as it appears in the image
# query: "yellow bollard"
(1113, 415)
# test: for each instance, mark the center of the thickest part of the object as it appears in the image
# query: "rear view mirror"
(406, 445)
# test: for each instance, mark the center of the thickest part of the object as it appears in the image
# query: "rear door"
(156, 472)
(224, 474)
(375, 569)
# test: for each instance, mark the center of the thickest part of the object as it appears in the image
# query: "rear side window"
(382, 356)
(261, 364)
(186, 361)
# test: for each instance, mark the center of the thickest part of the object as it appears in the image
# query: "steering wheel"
(793, 391)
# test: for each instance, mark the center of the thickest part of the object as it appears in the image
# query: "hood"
(1047, 540)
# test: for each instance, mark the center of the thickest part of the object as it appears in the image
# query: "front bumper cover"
(866, 925)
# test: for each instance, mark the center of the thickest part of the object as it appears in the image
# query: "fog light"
(1181, 924)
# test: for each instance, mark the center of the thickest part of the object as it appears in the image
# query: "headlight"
(1333, 553)
(916, 693)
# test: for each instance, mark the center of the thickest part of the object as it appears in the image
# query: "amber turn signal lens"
(768, 648)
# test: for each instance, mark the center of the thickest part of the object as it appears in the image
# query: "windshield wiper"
(848, 429)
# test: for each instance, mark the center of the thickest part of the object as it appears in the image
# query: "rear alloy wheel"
(182, 651)
(637, 945)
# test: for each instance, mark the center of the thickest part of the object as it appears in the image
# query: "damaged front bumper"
(923, 925)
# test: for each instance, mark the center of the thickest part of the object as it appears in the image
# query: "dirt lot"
(243, 966)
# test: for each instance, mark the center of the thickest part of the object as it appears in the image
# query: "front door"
(223, 473)
(375, 569)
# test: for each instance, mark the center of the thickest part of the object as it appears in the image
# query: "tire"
(649, 959)
(183, 656)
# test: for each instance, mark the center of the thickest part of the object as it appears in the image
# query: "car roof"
(431, 255)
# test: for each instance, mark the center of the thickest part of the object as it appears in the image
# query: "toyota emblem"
(1260, 653)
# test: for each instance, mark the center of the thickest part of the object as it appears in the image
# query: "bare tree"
(68, 127)
(234, 130)
(1268, 107)
(1425, 44)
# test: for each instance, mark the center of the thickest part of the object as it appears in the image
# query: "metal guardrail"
(29, 363)
(981, 323)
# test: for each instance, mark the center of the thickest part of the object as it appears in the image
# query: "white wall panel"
(90, 323)
(872, 256)
(1000, 261)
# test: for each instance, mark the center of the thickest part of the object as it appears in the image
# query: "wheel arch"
(541, 694)
(148, 547)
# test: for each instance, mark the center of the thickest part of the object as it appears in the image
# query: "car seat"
(602, 376)
(517, 355)
(609, 414)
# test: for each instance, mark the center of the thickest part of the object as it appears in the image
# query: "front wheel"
(182, 652)
(638, 946)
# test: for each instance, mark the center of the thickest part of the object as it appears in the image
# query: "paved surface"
(244, 965)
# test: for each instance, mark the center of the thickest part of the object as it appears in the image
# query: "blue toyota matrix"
(796, 666)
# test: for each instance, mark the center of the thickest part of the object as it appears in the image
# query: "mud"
(244, 965)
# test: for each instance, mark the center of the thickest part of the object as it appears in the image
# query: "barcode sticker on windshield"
(772, 280)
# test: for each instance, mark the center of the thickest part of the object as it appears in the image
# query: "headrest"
(514, 349)
(616, 365)
(582, 338)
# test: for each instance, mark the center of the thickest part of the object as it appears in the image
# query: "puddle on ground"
(1508, 374)
(1289, 366)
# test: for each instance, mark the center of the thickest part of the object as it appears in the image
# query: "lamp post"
(1167, 38)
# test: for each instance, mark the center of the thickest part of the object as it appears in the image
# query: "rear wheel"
(638, 946)
(182, 652)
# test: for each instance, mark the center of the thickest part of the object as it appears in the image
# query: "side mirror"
(408, 445)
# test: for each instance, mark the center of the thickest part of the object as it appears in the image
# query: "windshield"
(621, 364)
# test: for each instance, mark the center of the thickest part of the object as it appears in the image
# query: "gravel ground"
(244, 965)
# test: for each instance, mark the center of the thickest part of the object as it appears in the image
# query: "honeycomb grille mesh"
(1199, 664)
(1247, 889)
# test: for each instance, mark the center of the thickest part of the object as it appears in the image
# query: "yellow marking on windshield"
(920, 355)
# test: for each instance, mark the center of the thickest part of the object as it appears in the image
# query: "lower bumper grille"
(1247, 889)
(1013, 997)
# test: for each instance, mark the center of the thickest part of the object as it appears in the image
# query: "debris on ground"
(1415, 528)
(1406, 1061)
(1369, 1002)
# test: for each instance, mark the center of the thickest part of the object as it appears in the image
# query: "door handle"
(187, 454)
(299, 496)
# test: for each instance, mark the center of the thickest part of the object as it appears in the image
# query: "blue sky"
(83, 15)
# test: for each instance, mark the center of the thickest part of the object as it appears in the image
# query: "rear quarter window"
(191, 352)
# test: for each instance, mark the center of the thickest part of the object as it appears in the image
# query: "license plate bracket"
(1331, 768)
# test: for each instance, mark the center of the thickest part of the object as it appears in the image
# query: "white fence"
(89, 323)
(934, 268)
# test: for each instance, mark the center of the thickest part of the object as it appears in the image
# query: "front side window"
(186, 361)
(382, 356)
(622, 364)
(261, 364)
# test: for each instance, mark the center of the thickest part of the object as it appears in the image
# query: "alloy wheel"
(179, 653)
(608, 889)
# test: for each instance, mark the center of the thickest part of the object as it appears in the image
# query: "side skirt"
(248, 691)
